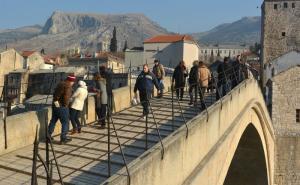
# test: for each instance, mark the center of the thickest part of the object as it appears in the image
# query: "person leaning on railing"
(78, 99)
(224, 75)
(60, 108)
(144, 84)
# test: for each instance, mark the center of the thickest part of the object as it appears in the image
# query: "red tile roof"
(169, 39)
(27, 53)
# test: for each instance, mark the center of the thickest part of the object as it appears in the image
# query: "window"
(275, 6)
(285, 5)
(283, 34)
(298, 115)
(293, 5)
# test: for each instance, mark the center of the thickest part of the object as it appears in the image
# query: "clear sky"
(175, 15)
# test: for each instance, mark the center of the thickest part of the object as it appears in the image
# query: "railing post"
(172, 92)
(47, 147)
(108, 143)
(146, 130)
(130, 76)
(34, 159)
(4, 124)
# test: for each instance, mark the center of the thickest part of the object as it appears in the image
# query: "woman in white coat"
(77, 104)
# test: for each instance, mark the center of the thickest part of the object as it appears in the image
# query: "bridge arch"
(244, 168)
(208, 155)
(252, 131)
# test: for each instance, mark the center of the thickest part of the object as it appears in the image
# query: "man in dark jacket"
(193, 82)
(237, 71)
(179, 77)
(144, 83)
(159, 72)
(224, 74)
(60, 108)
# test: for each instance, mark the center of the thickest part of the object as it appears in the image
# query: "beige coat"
(79, 97)
(204, 76)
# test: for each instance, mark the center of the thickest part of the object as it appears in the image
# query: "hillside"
(243, 31)
(69, 30)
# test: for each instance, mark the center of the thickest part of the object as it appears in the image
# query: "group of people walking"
(200, 79)
(67, 106)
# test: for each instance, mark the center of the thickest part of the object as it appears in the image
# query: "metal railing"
(228, 76)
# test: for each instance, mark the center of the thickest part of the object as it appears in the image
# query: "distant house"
(171, 49)
(33, 60)
(9, 60)
(282, 99)
(92, 63)
(135, 57)
(281, 63)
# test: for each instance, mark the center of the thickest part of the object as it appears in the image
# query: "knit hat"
(81, 83)
(71, 78)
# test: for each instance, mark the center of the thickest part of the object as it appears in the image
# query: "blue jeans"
(61, 113)
(74, 117)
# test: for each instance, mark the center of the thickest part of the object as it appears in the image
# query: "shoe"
(102, 126)
(74, 131)
(65, 141)
(79, 130)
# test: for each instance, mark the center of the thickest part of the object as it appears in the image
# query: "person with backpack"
(60, 108)
(193, 82)
(77, 104)
(145, 84)
(159, 72)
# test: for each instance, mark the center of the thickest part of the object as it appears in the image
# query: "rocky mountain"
(63, 31)
(243, 31)
(13, 35)
(69, 30)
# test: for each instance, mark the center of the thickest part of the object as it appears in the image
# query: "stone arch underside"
(248, 166)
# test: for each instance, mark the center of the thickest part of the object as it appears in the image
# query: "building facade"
(280, 30)
(171, 49)
(134, 57)
(33, 60)
(9, 60)
(93, 63)
(211, 53)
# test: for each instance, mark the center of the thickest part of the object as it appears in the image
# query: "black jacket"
(224, 72)
(179, 76)
(194, 76)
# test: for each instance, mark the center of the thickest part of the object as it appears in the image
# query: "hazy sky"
(175, 15)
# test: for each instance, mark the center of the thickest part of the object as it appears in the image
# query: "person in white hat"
(77, 104)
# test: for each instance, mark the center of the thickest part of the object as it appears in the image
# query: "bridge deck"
(84, 159)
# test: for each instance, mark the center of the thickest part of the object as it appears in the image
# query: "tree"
(256, 48)
(212, 58)
(125, 46)
(113, 41)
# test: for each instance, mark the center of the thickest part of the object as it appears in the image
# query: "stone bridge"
(231, 143)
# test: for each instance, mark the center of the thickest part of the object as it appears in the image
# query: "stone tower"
(280, 30)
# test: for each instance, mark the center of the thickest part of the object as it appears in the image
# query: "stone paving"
(85, 159)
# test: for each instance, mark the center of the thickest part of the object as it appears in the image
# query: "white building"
(209, 51)
(171, 49)
(135, 56)
(282, 63)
